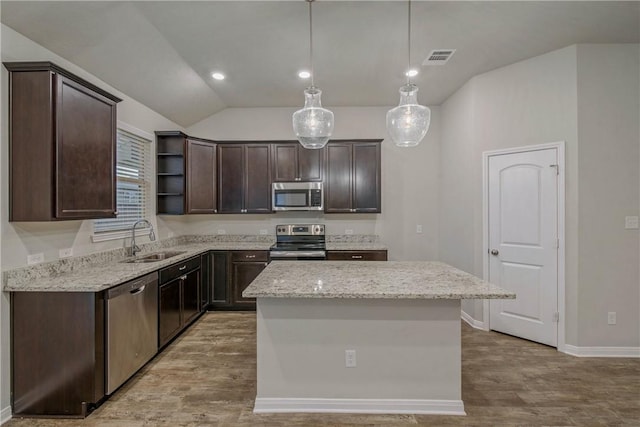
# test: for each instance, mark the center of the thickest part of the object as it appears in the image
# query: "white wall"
(410, 180)
(609, 146)
(22, 239)
(564, 95)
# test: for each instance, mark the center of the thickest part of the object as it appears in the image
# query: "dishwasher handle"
(133, 287)
(138, 291)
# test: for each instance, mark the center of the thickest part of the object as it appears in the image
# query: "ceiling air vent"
(439, 57)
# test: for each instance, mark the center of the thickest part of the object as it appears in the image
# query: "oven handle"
(296, 254)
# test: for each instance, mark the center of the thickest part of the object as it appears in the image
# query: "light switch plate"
(419, 228)
(631, 222)
(35, 258)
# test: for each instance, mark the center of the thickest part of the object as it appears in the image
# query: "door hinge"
(557, 167)
(556, 317)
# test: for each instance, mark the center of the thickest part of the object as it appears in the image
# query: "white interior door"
(523, 243)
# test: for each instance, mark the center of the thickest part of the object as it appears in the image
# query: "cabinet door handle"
(356, 256)
(116, 212)
(249, 256)
(183, 277)
(184, 267)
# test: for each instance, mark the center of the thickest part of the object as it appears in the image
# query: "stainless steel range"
(299, 242)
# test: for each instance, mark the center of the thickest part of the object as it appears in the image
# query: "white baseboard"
(473, 322)
(602, 351)
(360, 406)
(5, 414)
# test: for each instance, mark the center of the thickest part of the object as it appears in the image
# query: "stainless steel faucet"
(152, 236)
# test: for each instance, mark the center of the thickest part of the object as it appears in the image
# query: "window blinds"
(132, 186)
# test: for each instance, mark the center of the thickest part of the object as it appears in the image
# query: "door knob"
(494, 252)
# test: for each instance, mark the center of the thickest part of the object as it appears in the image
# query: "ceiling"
(162, 53)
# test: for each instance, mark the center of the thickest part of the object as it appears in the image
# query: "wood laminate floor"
(207, 377)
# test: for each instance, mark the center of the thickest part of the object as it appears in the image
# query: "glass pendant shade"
(409, 122)
(313, 125)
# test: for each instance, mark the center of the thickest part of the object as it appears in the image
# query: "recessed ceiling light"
(304, 74)
(412, 73)
(217, 76)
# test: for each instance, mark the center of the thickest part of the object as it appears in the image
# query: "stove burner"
(299, 242)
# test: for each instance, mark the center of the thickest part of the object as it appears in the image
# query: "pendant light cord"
(311, 42)
(409, 43)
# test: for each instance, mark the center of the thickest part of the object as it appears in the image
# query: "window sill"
(115, 235)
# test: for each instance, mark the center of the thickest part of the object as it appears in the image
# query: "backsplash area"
(65, 265)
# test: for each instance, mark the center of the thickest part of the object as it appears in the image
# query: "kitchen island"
(352, 337)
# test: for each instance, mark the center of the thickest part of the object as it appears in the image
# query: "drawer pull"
(249, 256)
(356, 256)
(184, 267)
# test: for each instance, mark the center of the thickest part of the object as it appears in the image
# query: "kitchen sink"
(154, 257)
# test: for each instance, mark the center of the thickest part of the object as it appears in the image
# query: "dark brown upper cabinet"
(186, 174)
(293, 162)
(201, 177)
(352, 182)
(62, 145)
(244, 178)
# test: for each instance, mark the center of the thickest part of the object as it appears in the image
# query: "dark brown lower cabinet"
(190, 297)
(243, 275)
(58, 365)
(169, 311)
(205, 280)
(179, 298)
(378, 255)
(233, 271)
(220, 280)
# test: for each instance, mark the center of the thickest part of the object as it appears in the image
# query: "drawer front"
(239, 256)
(178, 269)
(356, 255)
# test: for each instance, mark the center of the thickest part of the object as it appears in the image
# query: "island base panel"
(408, 356)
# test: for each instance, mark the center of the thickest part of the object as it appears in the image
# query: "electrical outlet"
(348, 231)
(631, 222)
(65, 253)
(419, 228)
(35, 258)
(611, 318)
(263, 231)
(222, 231)
(350, 358)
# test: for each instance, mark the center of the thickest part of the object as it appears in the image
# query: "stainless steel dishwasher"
(132, 328)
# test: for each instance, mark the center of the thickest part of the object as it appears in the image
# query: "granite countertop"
(100, 276)
(372, 279)
(100, 271)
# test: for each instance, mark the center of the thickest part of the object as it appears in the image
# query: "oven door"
(298, 255)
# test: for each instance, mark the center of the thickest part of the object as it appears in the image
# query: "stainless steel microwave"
(297, 196)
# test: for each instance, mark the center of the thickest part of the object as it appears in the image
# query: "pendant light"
(408, 123)
(313, 125)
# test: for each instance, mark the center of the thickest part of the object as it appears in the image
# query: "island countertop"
(372, 279)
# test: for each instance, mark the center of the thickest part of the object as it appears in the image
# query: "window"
(132, 186)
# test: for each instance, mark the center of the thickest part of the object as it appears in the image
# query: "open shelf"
(170, 179)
